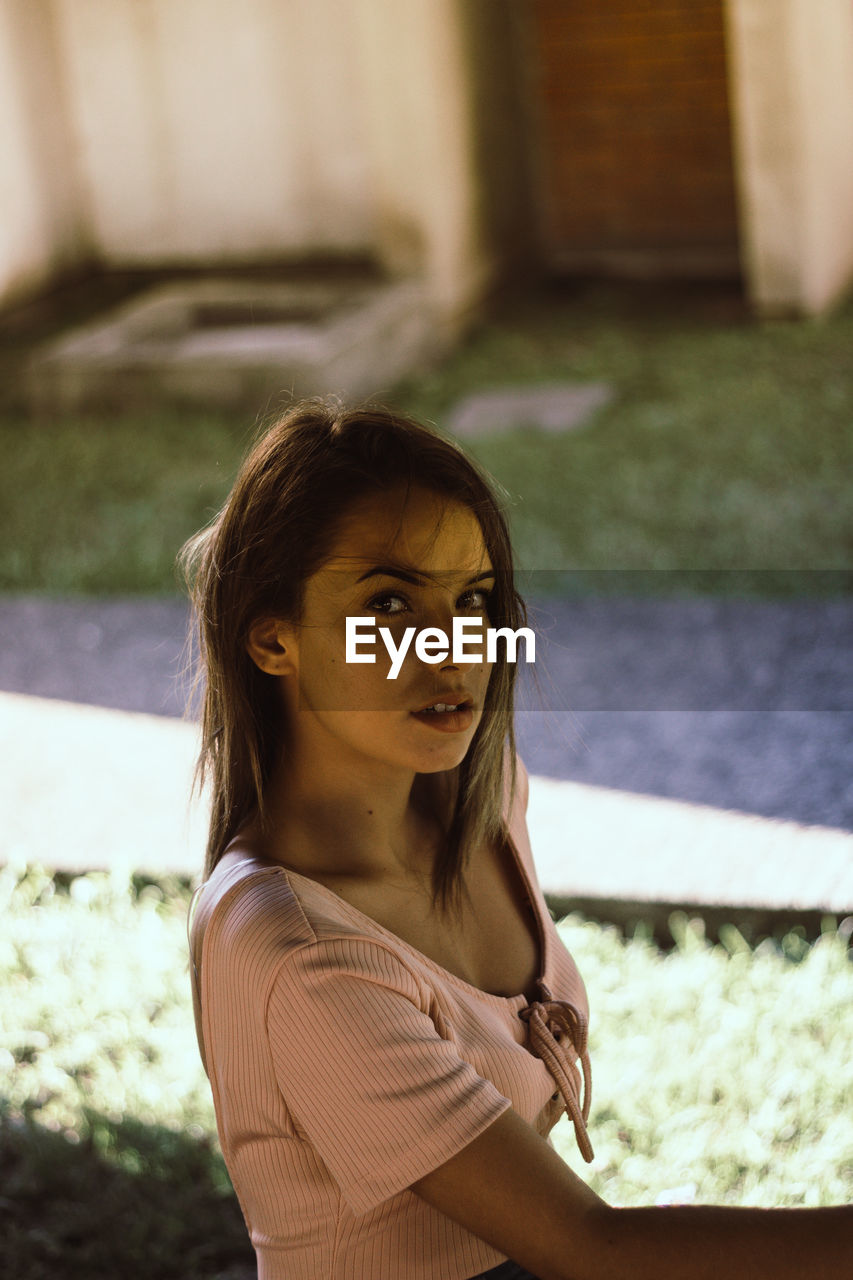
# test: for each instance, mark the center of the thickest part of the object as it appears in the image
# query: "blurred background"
(446, 141)
(609, 248)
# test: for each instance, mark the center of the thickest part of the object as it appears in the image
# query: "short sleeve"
(383, 1098)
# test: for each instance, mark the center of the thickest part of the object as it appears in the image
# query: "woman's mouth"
(447, 717)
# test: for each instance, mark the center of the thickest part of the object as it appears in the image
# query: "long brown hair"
(272, 534)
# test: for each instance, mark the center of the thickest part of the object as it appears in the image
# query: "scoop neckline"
(544, 954)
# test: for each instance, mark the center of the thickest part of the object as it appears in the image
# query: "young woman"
(389, 1020)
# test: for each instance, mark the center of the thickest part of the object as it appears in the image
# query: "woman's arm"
(511, 1188)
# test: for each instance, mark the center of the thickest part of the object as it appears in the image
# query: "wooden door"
(630, 108)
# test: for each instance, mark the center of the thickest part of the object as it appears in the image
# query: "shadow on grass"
(128, 1199)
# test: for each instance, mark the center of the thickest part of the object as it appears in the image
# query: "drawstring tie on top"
(557, 1034)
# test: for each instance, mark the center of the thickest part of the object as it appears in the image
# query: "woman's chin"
(446, 752)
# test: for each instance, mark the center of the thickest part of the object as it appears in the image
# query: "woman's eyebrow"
(394, 571)
(390, 571)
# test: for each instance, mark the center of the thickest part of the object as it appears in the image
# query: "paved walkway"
(705, 761)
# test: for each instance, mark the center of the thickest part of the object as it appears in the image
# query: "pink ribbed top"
(345, 1065)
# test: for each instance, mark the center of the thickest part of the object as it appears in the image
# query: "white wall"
(154, 132)
(230, 130)
(792, 99)
(415, 87)
(217, 129)
(221, 131)
(826, 103)
(42, 209)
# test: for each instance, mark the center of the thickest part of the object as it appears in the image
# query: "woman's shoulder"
(254, 907)
(261, 928)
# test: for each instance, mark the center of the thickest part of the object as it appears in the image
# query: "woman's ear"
(271, 645)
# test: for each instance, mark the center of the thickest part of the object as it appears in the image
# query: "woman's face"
(403, 560)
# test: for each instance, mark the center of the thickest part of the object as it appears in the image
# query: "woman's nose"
(466, 635)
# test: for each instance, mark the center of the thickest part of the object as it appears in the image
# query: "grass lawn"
(720, 1074)
(728, 446)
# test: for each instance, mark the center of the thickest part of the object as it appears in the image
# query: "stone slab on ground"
(554, 408)
(86, 788)
(237, 344)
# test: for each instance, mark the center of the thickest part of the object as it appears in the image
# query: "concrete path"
(684, 753)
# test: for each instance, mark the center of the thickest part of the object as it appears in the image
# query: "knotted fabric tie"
(557, 1034)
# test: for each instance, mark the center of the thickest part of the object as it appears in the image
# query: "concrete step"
(89, 788)
(236, 344)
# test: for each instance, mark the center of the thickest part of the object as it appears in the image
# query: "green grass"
(716, 1068)
(728, 446)
(108, 1158)
(722, 1074)
(102, 506)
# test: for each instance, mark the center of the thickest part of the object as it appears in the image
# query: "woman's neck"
(368, 822)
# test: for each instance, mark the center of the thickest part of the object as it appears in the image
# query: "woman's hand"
(511, 1188)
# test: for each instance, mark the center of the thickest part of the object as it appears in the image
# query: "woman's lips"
(456, 721)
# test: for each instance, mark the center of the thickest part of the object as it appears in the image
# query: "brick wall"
(631, 112)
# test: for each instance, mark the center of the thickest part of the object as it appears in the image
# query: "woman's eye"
(388, 603)
(474, 599)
